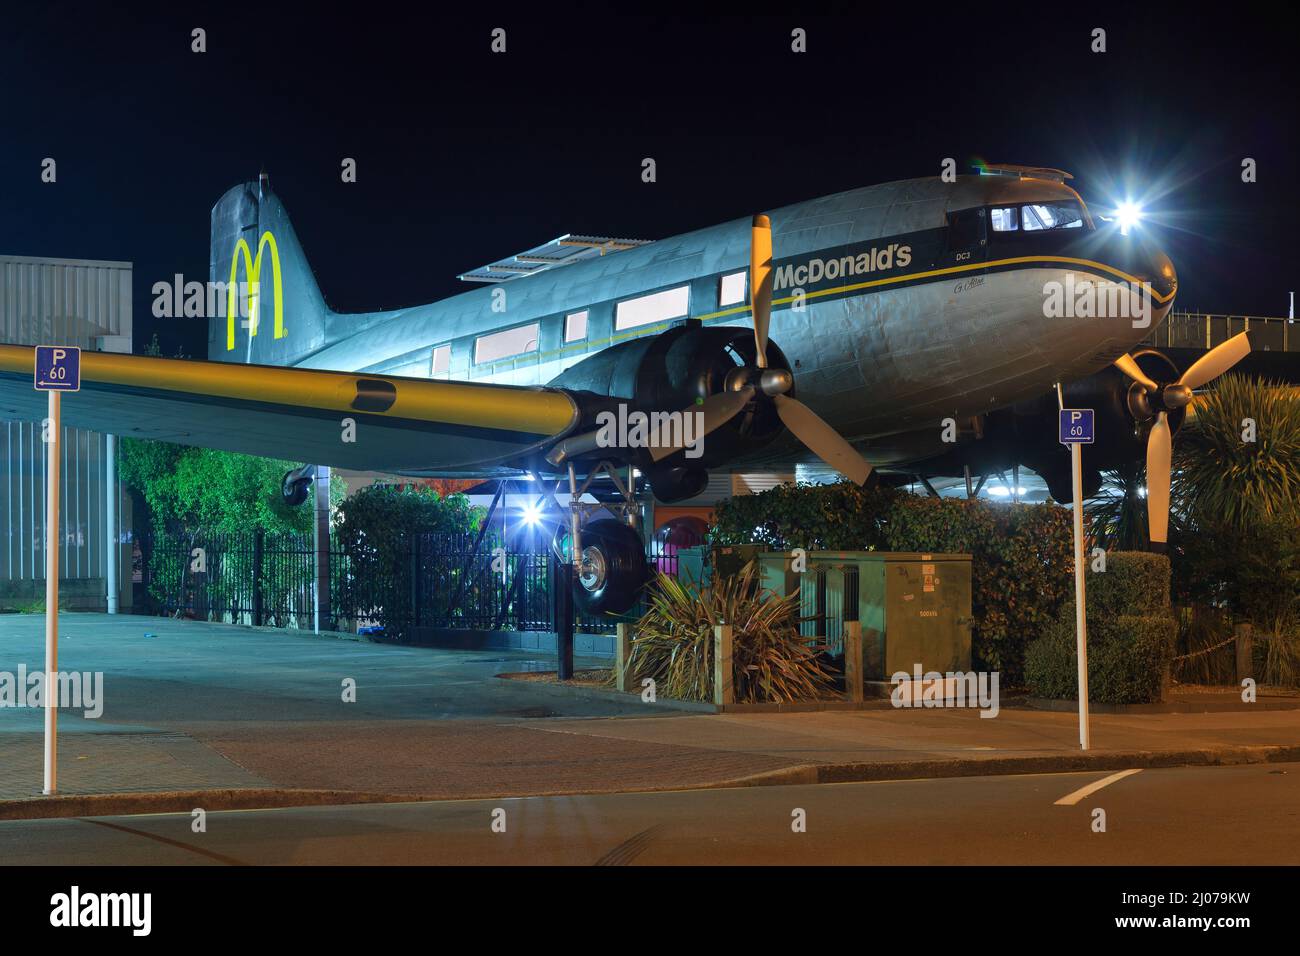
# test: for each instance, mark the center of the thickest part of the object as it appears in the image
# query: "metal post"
(563, 619)
(111, 501)
(415, 580)
(1080, 606)
(52, 596)
(321, 536)
(258, 555)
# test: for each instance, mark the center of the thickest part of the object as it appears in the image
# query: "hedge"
(1128, 652)
(1020, 554)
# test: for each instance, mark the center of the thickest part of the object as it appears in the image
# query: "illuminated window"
(656, 307)
(440, 365)
(575, 326)
(732, 289)
(1005, 219)
(507, 342)
(1064, 215)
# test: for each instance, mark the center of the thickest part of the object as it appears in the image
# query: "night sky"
(465, 156)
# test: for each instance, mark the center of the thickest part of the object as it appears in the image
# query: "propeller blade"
(1129, 366)
(1216, 361)
(717, 409)
(760, 282)
(1159, 456)
(825, 442)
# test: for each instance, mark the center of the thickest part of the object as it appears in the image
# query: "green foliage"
(1223, 482)
(1021, 567)
(1021, 562)
(376, 529)
(1117, 516)
(216, 491)
(673, 641)
(1200, 628)
(1237, 555)
(1134, 582)
(1131, 634)
(836, 517)
(1127, 657)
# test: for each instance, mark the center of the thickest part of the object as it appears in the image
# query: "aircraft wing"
(402, 425)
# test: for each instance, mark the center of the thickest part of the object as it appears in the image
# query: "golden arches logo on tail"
(253, 271)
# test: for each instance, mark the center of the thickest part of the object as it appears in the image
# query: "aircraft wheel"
(294, 493)
(616, 568)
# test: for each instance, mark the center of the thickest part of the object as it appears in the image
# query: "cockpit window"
(1005, 219)
(1065, 215)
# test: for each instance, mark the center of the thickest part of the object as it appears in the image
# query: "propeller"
(1159, 400)
(744, 384)
(760, 282)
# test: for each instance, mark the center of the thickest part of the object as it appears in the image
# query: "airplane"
(857, 328)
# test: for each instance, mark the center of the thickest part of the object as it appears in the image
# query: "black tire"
(622, 571)
(294, 493)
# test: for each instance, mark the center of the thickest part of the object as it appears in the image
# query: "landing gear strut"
(607, 555)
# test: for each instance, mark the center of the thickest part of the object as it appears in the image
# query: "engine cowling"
(1122, 416)
(670, 373)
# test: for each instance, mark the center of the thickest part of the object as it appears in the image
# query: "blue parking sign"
(58, 368)
(1076, 426)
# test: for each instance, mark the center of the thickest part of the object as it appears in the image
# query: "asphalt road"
(1247, 815)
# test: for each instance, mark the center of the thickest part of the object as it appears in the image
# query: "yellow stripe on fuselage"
(598, 344)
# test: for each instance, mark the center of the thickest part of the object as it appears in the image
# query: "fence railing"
(444, 580)
(1199, 330)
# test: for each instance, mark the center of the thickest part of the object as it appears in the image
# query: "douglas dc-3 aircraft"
(849, 328)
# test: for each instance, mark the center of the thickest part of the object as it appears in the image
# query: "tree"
(214, 491)
(1237, 460)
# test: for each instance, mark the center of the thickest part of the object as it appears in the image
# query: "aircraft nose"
(1158, 269)
(1139, 256)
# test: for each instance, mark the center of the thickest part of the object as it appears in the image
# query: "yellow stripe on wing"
(526, 410)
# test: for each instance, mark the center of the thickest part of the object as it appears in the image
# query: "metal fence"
(1199, 330)
(445, 580)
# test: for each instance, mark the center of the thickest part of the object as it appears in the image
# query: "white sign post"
(58, 369)
(1076, 430)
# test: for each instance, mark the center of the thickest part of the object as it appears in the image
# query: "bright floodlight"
(532, 515)
(1129, 215)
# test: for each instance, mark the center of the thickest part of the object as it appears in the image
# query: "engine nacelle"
(668, 374)
(1122, 419)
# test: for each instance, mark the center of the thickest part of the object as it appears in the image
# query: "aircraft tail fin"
(269, 310)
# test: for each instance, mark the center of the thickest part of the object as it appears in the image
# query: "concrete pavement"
(257, 717)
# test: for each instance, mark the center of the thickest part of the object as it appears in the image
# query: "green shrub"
(1127, 657)
(836, 517)
(1134, 582)
(1020, 554)
(1021, 567)
(672, 642)
(376, 528)
(1128, 652)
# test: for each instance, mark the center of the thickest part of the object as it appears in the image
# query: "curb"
(183, 801)
(1056, 763)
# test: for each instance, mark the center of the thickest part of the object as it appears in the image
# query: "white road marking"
(1070, 799)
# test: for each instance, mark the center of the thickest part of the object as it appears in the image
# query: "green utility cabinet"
(914, 608)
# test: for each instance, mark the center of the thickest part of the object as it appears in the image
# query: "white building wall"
(85, 303)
